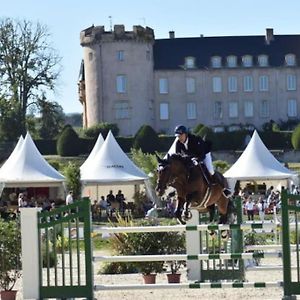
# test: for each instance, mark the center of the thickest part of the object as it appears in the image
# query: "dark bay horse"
(193, 189)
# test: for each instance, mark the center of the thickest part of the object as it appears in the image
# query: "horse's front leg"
(178, 211)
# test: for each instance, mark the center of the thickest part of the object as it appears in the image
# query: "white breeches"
(208, 163)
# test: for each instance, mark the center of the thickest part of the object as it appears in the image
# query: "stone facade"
(122, 74)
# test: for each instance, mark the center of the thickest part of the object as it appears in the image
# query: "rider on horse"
(195, 147)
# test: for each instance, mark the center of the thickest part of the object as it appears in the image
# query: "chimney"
(269, 35)
(119, 29)
(172, 34)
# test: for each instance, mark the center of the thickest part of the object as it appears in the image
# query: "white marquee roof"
(96, 149)
(27, 167)
(112, 166)
(257, 163)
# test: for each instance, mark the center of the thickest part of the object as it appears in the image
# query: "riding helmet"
(180, 129)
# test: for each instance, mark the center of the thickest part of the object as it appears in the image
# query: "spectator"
(69, 198)
(250, 209)
(21, 200)
(261, 208)
(103, 205)
(121, 200)
(110, 198)
(95, 210)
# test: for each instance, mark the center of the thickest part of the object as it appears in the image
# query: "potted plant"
(174, 244)
(10, 258)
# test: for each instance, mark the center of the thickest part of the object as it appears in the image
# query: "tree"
(68, 143)
(296, 138)
(146, 139)
(103, 128)
(52, 119)
(72, 174)
(28, 65)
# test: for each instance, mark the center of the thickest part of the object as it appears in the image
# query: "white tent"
(112, 166)
(96, 149)
(257, 163)
(26, 167)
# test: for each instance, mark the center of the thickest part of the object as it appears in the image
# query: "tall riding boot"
(217, 179)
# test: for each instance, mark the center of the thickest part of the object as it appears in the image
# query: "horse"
(193, 188)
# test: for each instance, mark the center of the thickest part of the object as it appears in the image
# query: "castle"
(131, 79)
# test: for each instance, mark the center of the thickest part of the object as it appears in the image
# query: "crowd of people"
(265, 203)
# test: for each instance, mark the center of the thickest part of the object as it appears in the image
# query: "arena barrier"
(68, 280)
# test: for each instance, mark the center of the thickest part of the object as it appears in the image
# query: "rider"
(199, 150)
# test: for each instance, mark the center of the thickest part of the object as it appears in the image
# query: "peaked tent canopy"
(26, 167)
(112, 166)
(258, 163)
(93, 153)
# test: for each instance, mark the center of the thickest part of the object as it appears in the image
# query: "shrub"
(146, 139)
(198, 128)
(72, 173)
(103, 128)
(10, 254)
(296, 138)
(68, 143)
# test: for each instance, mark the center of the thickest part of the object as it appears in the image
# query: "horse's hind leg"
(211, 211)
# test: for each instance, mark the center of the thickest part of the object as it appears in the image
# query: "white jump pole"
(30, 253)
(193, 248)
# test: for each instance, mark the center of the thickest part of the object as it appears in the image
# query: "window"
(216, 62)
(264, 108)
(263, 83)
(164, 111)
(190, 62)
(191, 110)
(218, 113)
(163, 86)
(248, 84)
(233, 109)
(231, 61)
(232, 84)
(217, 85)
(247, 61)
(190, 85)
(248, 109)
(120, 55)
(290, 60)
(292, 108)
(121, 83)
(263, 60)
(148, 55)
(291, 82)
(122, 110)
(90, 56)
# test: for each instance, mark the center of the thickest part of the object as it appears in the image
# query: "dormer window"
(190, 62)
(263, 60)
(231, 61)
(216, 62)
(247, 61)
(290, 60)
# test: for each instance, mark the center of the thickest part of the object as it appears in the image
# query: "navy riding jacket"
(196, 147)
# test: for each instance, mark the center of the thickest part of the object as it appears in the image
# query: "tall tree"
(28, 65)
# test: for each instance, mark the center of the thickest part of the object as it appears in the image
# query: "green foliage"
(68, 143)
(146, 139)
(296, 138)
(147, 162)
(10, 254)
(221, 165)
(72, 173)
(51, 120)
(205, 133)
(148, 243)
(29, 65)
(103, 128)
(198, 128)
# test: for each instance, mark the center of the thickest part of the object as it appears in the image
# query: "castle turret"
(118, 76)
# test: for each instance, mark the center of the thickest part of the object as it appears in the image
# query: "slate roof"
(169, 54)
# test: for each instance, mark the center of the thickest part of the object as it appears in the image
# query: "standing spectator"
(103, 205)
(111, 200)
(261, 208)
(20, 200)
(121, 200)
(250, 209)
(95, 211)
(69, 198)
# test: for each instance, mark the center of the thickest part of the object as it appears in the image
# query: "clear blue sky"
(66, 18)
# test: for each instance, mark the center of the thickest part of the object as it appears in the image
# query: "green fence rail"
(66, 252)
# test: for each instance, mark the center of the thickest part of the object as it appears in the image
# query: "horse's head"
(164, 175)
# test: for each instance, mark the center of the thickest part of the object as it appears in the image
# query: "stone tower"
(116, 83)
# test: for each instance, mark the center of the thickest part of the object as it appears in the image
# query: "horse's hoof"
(181, 221)
(224, 235)
(187, 215)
